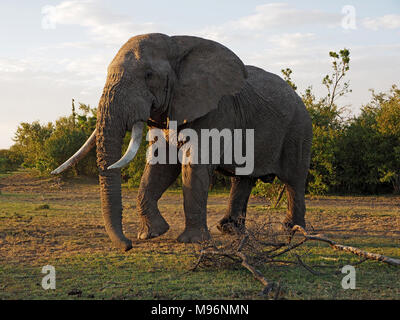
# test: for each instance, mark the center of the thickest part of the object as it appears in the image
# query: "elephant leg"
(297, 157)
(296, 205)
(195, 183)
(155, 180)
(235, 217)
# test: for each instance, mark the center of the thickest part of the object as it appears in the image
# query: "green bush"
(45, 147)
(65, 140)
(269, 191)
(367, 157)
(4, 165)
(9, 160)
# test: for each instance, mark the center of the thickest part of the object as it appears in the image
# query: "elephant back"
(280, 98)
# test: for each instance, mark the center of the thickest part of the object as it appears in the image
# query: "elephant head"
(153, 77)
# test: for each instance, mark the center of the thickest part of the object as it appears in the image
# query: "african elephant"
(198, 83)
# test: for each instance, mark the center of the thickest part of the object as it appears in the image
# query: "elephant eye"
(148, 75)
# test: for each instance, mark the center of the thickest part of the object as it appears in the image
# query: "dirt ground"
(352, 214)
(47, 219)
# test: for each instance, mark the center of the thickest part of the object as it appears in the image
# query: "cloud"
(267, 18)
(102, 24)
(280, 35)
(284, 15)
(80, 64)
(9, 65)
(291, 40)
(389, 21)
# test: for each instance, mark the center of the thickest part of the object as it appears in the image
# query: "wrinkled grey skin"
(200, 84)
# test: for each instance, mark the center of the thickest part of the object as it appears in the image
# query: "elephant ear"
(206, 71)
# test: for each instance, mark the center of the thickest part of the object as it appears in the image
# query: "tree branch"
(356, 251)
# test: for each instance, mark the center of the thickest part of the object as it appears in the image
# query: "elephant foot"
(152, 228)
(194, 235)
(230, 226)
(124, 244)
(288, 225)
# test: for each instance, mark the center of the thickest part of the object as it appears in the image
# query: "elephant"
(199, 84)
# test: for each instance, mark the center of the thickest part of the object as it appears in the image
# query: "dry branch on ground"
(260, 245)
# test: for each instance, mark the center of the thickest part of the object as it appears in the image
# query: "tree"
(367, 158)
(334, 83)
(9, 160)
(387, 107)
(45, 147)
(30, 138)
(69, 134)
(287, 76)
(359, 155)
(327, 124)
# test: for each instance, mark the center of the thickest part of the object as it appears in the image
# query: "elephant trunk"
(110, 191)
(111, 129)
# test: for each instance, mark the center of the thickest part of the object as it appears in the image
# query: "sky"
(53, 51)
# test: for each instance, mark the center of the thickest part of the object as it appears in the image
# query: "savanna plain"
(47, 221)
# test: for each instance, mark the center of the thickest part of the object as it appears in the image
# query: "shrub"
(9, 160)
(269, 191)
(45, 147)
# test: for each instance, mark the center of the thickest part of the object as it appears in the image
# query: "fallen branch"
(215, 252)
(243, 259)
(268, 286)
(249, 251)
(308, 268)
(356, 251)
(289, 248)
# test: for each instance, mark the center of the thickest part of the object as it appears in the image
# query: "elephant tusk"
(133, 147)
(82, 152)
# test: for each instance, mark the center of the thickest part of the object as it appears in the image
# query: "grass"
(45, 223)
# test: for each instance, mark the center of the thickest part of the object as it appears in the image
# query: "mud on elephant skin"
(199, 84)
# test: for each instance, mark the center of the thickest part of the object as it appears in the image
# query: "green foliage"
(327, 124)
(9, 160)
(287, 76)
(269, 191)
(133, 173)
(326, 128)
(30, 139)
(358, 155)
(219, 180)
(45, 147)
(368, 157)
(65, 140)
(334, 83)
